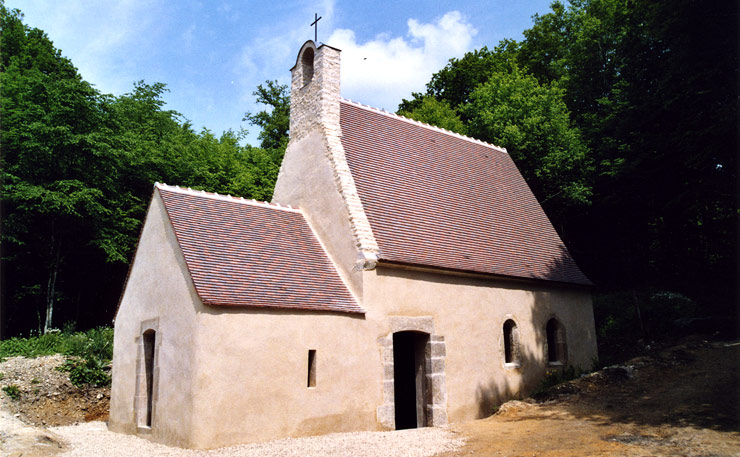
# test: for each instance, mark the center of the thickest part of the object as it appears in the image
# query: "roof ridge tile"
(228, 197)
(424, 124)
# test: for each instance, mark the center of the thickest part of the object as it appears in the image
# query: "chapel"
(402, 276)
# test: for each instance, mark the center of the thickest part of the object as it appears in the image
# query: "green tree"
(458, 79)
(77, 174)
(274, 122)
(655, 98)
(50, 191)
(435, 112)
(531, 120)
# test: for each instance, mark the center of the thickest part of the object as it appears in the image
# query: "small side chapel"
(403, 276)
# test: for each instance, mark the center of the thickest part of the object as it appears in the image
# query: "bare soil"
(680, 401)
(47, 397)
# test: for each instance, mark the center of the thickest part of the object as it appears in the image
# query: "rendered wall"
(464, 316)
(252, 382)
(157, 295)
(307, 181)
(468, 315)
(315, 175)
(252, 374)
(229, 376)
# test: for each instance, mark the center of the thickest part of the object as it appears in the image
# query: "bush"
(554, 377)
(34, 346)
(90, 370)
(622, 334)
(97, 342)
(89, 353)
(12, 391)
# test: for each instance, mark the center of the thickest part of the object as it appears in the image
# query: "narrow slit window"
(311, 368)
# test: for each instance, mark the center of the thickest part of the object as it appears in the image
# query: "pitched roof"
(246, 253)
(436, 198)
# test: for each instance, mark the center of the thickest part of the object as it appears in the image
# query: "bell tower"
(314, 91)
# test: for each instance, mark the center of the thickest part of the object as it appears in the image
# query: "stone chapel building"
(403, 276)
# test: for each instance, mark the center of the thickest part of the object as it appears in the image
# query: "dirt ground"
(681, 401)
(46, 396)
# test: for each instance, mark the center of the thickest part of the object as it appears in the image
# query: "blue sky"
(213, 54)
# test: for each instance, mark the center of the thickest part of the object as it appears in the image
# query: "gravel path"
(93, 439)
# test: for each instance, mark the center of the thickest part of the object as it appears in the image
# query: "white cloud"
(382, 71)
(273, 50)
(188, 37)
(379, 72)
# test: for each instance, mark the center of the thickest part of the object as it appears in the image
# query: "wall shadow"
(693, 384)
(518, 382)
(687, 385)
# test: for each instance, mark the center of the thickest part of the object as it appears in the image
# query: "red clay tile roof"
(245, 253)
(436, 198)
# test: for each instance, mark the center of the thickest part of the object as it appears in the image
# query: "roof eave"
(218, 304)
(482, 275)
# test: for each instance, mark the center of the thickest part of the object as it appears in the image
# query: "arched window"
(307, 64)
(557, 351)
(511, 342)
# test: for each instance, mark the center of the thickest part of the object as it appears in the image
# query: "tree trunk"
(51, 285)
(638, 313)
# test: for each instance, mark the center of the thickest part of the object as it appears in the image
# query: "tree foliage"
(621, 115)
(633, 106)
(435, 112)
(77, 173)
(275, 121)
(514, 111)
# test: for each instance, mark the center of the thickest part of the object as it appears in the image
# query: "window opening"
(511, 342)
(556, 347)
(311, 368)
(307, 64)
(149, 339)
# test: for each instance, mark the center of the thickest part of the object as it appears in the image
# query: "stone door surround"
(141, 396)
(434, 367)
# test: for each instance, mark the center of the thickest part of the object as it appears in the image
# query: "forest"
(621, 116)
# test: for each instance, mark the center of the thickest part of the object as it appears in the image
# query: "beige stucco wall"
(159, 291)
(315, 176)
(251, 381)
(229, 375)
(469, 314)
(307, 181)
(253, 371)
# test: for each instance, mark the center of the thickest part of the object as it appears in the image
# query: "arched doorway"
(409, 371)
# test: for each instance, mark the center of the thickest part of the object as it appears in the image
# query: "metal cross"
(315, 24)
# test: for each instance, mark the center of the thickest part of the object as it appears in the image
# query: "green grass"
(554, 377)
(12, 391)
(97, 342)
(88, 353)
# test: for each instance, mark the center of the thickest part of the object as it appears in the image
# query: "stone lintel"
(406, 323)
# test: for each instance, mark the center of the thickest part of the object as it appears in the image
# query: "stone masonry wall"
(315, 106)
